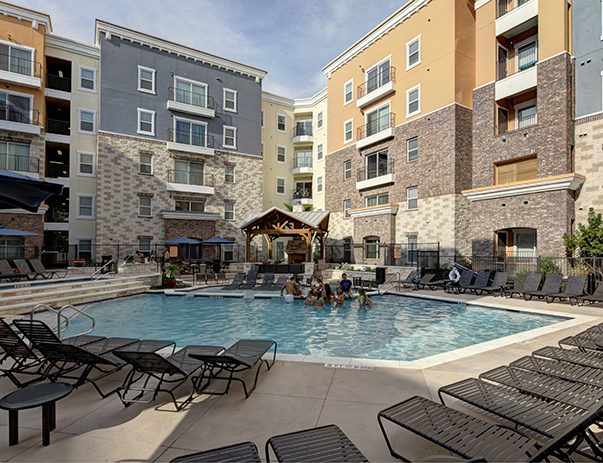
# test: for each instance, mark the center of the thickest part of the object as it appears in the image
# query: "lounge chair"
(8, 273)
(424, 280)
(234, 364)
(206, 278)
(531, 283)
(564, 370)
(236, 282)
(267, 283)
(499, 283)
(18, 357)
(279, 283)
(482, 281)
(466, 280)
(37, 331)
(24, 269)
(597, 296)
(250, 280)
(407, 282)
(42, 271)
(585, 341)
(245, 452)
(574, 287)
(551, 284)
(587, 359)
(153, 373)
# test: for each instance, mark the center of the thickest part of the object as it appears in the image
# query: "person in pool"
(292, 290)
(338, 298)
(364, 300)
(346, 286)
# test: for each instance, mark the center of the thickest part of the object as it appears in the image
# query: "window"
(146, 80)
(229, 174)
(319, 184)
(516, 171)
(281, 154)
(15, 59)
(85, 207)
(144, 246)
(411, 249)
(347, 170)
(371, 247)
(319, 121)
(378, 76)
(378, 120)
(412, 149)
(145, 162)
(188, 173)
(84, 248)
(279, 255)
(191, 133)
(146, 122)
(262, 149)
(87, 81)
(16, 107)
(413, 53)
(191, 92)
(229, 211)
(348, 131)
(230, 137)
(378, 200)
(303, 128)
(14, 156)
(87, 122)
(376, 164)
(280, 186)
(190, 206)
(230, 100)
(262, 118)
(85, 164)
(319, 152)
(228, 252)
(348, 92)
(412, 198)
(281, 122)
(144, 206)
(347, 205)
(526, 115)
(413, 97)
(303, 159)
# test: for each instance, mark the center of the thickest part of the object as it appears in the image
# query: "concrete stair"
(21, 299)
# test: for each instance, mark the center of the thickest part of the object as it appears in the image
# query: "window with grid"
(347, 170)
(144, 206)
(319, 152)
(85, 207)
(413, 52)
(191, 93)
(319, 184)
(146, 122)
(145, 162)
(378, 200)
(146, 79)
(348, 92)
(348, 131)
(87, 79)
(230, 137)
(85, 164)
(412, 198)
(280, 186)
(229, 211)
(190, 206)
(281, 123)
(281, 154)
(347, 205)
(229, 174)
(188, 173)
(412, 149)
(413, 97)
(15, 59)
(230, 100)
(191, 133)
(319, 121)
(86, 121)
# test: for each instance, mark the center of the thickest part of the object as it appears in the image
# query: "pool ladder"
(59, 313)
(397, 274)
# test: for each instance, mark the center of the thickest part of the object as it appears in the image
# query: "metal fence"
(376, 254)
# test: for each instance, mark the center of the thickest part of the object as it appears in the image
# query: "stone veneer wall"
(589, 162)
(26, 221)
(120, 184)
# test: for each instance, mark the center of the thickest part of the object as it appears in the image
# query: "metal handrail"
(190, 98)
(112, 261)
(80, 311)
(58, 312)
(397, 274)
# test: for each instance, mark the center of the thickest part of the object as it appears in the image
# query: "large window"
(146, 122)
(376, 164)
(15, 59)
(230, 137)
(303, 128)
(230, 100)
(412, 149)
(371, 247)
(348, 131)
(85, 164)
(516, 171)
(145, 206)
(412, 198)
(14, 156)
(303, 158)
(146, 79)
(188, 173)
(190, 206)
(15, 107)
(191, 133)
(413, 99)
(85, 207)
(191, 92)
(378, 120)
(229, 211)
(413, 53)
(348, 92)
(377, 76)
(378, 200)
(86, 121)
(87, 80)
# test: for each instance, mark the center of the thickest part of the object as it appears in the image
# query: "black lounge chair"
(585, 341)
(499, 284)
(551, 284)
(267, 283)
(586, 359)
(234, 364)
(18, 357)
(8, 273)
(236, 282)
(250, 280)
(24, 269)
(168, 373)
(482, 281)
(37, 331)
(564, 370)
(424, 280)
(42, 271)
(407, 282)
(466, 279)
(244, 452)
(531, 283)
(574, 287)
(597, 296)
(279, 283)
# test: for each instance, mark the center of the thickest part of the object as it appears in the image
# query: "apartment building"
(400, 133)
(179, 141)
(524, 184)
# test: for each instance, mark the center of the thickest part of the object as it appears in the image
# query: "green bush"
(548, 265)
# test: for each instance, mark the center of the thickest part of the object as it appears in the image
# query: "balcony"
(377, 175)
(377, 130)
(58, 87)
(302, 196)
(190, 142)
(190, 103)
(20, 71)
(16, 163)
(302, 164)
(515, 16)
(376, 88)
(302, 133)
(190, 182)
(18, 119)
(517, 124)
(58, 127)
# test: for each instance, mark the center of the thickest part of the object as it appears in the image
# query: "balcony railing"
(506, 6)
(58, 83)
(58, 127)
(186, 137)
(302, 193)
(19, 163)
(525, 58)
(24, 66)
(384, 122)
(379, 170)
(13, 113)
(384, 77)
(301, 130)
(302, 161)
(190, 178)
(57, 170)
(57, 214)
(517, 124)
(190, 98)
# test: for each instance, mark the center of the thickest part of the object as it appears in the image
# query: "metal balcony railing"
(377, 170)
(186, 137)
(24, 66)
(302, 129)
(57, 170)
(517, 124)
(19, 163)
(302, 193)
(13, 113)
(523, 59)
(58, 83)
(58, 127)
(302, 161)
(505, 6)
(190, 98)
(57, 214)
(372, 84)
(384, 122)
(190, 178)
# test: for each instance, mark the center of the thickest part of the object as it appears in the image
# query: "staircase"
(20, 298)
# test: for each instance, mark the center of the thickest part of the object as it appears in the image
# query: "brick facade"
(25, 221)
(589, 155)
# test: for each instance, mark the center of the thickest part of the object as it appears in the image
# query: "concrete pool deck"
(291, 396)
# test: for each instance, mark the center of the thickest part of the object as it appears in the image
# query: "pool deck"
(293, 395)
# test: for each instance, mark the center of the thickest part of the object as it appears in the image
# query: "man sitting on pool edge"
(292, 290)
(346, 286)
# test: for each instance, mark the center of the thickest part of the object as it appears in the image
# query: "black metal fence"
(376, 254)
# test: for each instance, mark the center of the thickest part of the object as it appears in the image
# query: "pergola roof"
(311, 219)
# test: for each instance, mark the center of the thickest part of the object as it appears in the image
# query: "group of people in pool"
(320, 294)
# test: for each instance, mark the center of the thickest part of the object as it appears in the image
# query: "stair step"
(34, 287)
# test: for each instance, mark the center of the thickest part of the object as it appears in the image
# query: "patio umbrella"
(5, 231)
(21, 191)
(182, 240)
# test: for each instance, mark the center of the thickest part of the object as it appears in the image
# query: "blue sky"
(292, 40)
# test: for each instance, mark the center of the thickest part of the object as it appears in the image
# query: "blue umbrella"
(21, 191)
(218, 240)
(5, 231)
(182, 240)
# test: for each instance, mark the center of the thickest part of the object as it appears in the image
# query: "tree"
(587, 241)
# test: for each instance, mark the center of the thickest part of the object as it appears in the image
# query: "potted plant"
(170, 273)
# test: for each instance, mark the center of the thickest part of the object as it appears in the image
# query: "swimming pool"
(397, 328)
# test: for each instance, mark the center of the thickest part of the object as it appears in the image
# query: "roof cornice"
(72, 46)
(384, 28)
(271, 98)
(124, 33)
(301, 103)
(34, 17)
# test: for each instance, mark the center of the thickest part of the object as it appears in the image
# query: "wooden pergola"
(276, 222)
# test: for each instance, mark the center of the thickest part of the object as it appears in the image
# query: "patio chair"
(236, 282)
(587, 359)
(564, 370)
(154, 374)
(597, 296)
(250, 280)
(234, 364)
(8, 273)
(244, 452)
(279, 283)
(499, 283)
(221, 277)
(531, 283)
(551, 284)
(585, 341)
(466, 280)
(482, 281)
(267, 283)
(18, 357)
(424, 280)
(37, 331)
(24, 269)
(574, 287)
(407, 282)
(42, 271)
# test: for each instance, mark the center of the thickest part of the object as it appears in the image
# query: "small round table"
(44, 395)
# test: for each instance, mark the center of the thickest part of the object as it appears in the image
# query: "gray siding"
(120, 97)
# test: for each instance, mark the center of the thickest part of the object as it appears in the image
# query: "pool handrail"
(60, 314)
(100, 270)
(397, 274)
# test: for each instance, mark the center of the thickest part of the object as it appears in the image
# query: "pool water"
(397, 328)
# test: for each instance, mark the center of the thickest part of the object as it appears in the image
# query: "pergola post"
(247, 246)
